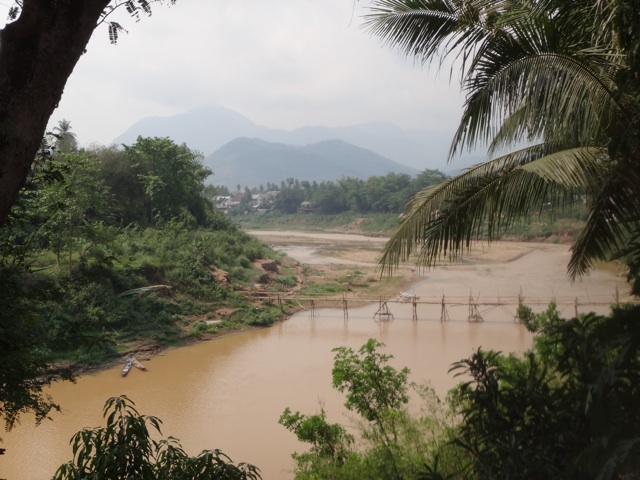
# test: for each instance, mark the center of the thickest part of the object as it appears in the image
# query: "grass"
(378, 223)
(319, 289)
(542, 227)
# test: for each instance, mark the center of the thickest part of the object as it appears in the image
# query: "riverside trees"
(79, 235)
(376, 194)
(565, 409)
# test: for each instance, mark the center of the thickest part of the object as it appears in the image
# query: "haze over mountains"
(242, 152)
(252, 162)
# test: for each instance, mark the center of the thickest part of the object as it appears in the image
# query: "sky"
(280, 63)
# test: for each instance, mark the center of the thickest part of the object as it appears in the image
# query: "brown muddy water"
(228, 393)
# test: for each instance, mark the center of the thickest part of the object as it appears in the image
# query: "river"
(229, 392)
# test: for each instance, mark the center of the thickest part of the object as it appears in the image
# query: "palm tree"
(65, 139)
(559, 77)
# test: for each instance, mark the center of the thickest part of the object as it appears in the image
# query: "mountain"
(253, 162)
(206, 129)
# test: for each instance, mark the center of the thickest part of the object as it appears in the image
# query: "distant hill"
(253, 162)
(207, 129)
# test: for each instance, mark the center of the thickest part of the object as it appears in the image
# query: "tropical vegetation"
(375, 195)
(89, 233)
(559, 80)
(126, 449)
(567, 409)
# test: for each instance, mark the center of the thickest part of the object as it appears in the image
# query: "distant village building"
(259, 201)
(305, 207)
(264, 200)
(222, 202)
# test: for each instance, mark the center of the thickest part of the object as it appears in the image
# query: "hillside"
(253, 162)
(207, 129)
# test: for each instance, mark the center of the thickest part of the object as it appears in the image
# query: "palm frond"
(579, 169)
(533, 71)
(613, 218)
(427, 29)
(483, 200)
(546, 92)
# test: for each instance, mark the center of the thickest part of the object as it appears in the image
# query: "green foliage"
(374, 390)
(288, 200)
(324, 289)
(125, 449)
(328, 198)
(566, 410)
(286, 280)
(372, 387)
(155, 179)
(171, 178)
(631, 257)
(387, 194)
(376, 223)
(25, 353)
(65, 258)
(393, 443)
(64, 140)
(259, 317)
(326, 439)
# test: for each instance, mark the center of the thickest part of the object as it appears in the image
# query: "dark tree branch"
(38, 52)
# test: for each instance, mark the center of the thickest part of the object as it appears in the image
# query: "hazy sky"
(281, 63)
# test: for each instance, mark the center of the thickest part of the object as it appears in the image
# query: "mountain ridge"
(253, 162)
(207, 128)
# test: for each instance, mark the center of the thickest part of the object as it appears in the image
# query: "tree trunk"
(38, 52)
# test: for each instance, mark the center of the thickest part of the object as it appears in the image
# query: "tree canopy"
(560, 78)
(41, 45)
(79, 235)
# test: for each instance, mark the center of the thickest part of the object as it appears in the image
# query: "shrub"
(286, 280)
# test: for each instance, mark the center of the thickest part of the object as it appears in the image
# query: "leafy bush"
(238, 274)
(324, 289)
(392, 442)
(243, 262)
(566, 409)
(263, 317)
(125, 448)
(198, 328)
(286, 280)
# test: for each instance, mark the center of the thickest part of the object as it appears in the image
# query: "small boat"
(137, 364)
(409, 295)
(151, 288)
(127, 366)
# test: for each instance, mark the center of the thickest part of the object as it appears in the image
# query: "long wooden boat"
(150, 288)
(127, 366)
(137, 364)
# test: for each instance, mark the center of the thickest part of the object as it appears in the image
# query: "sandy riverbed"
(536, 271)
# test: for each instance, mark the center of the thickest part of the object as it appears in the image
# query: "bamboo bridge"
(474, 306)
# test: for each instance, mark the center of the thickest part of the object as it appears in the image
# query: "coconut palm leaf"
(491, 197)
(534, 71)
(425, 28)
(546, 92)
(612, 221)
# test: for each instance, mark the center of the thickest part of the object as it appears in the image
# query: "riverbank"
(309, 266)
(507, 270)
(229, 393)
(330, 267)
